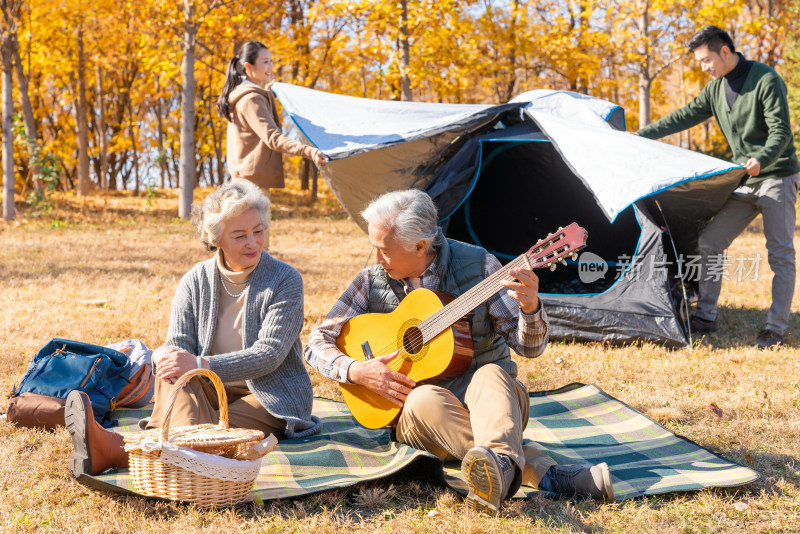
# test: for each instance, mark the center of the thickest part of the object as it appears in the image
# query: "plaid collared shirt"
(525, 334)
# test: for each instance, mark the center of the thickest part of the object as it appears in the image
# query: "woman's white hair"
(232, 198)
(411, 214)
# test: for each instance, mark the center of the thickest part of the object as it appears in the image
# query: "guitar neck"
(543, 254)
(468, 301)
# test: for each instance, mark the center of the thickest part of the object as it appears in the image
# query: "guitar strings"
(437, 323)
(480, 293)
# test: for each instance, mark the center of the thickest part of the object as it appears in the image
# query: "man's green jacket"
(757, 126)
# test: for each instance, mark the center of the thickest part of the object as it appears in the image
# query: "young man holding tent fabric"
(748, 100)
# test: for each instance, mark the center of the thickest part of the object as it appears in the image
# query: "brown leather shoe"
(96, 449)
(768, 339)
(703, 326)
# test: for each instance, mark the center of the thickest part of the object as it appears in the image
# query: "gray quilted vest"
(460, 266)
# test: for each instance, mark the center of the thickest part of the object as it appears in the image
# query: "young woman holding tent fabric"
(238, 313)
(255, 140)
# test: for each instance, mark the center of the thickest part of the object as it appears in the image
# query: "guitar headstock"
(557, 246)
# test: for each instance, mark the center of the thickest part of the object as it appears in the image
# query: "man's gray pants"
(774, 199)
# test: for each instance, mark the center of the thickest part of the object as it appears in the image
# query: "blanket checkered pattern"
(575, 424)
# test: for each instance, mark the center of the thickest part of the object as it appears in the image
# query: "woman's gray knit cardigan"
(272, 363)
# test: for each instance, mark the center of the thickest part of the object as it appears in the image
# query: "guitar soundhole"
(412, 340)
(409, 340)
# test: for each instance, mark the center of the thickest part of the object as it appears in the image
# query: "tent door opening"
(524, 191)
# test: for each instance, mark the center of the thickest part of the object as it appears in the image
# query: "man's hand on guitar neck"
(525, 289)
(376, 376)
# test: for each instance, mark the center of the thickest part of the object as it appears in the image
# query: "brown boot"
(96, 449)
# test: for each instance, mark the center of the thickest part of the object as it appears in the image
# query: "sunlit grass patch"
(105, 269)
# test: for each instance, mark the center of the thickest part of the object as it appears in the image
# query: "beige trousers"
(494, 414)
(197, 403)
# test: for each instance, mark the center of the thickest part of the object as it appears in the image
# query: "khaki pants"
(494, 414)
(197, 403)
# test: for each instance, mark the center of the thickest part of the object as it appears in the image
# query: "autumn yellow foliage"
(468, 51)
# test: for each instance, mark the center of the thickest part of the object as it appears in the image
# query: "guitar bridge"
(367, 351)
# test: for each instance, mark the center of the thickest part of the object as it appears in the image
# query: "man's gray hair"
(229, 200)
(411, 214)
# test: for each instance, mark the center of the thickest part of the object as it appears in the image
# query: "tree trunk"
(162, 154)
(218, 150)
(512, 56)
(645, 84)
(132, 134)
(101, 127)
(175, 171)
(8, 132)
(187, 168)
(296, 20)
(314, 179)
(304, 174)
(216, 139)
(645, 78)
(83, 125)
(27, 113)
(405, 60)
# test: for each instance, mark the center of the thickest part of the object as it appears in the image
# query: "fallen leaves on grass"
(716, 410)
(93, 302)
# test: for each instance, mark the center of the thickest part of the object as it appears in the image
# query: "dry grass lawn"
(104, 269)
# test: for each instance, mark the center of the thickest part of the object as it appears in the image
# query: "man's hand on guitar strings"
(525, 289)
(376, 376)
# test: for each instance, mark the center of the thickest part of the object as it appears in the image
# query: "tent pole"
(680, 275)
(465, 133)
(368, 257)
(436, 158)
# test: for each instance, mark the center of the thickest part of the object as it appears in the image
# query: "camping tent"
(505, 176)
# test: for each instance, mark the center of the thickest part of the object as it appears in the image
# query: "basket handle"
(217, 383)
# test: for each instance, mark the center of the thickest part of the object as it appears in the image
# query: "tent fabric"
(573, 107)
(337, 128)
(637, 306)
(344, 126)
(505, 176)
(621, 168)
(373, 143)
(358, 179)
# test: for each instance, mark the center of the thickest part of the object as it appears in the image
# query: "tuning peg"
(552, 267)
(573, 255)
(560, 228)
(564, 263)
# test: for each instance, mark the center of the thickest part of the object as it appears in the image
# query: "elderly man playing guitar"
(478, 415)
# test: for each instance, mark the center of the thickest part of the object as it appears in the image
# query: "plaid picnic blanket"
(574, 424)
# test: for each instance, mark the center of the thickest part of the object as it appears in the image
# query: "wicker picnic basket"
(154, 477)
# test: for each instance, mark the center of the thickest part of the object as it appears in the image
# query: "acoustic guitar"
(430, 331)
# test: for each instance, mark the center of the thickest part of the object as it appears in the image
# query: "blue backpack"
(63, 365)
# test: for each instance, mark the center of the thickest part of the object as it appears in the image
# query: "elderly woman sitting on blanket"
(238, 314)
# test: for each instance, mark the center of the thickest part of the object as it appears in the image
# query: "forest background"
(101, 95)
(109, 94)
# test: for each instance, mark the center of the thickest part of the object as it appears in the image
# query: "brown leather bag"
(33, 410)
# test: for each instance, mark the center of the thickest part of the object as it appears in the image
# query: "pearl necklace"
(236, 296)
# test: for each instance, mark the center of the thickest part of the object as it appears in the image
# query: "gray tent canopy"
(505, 176)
